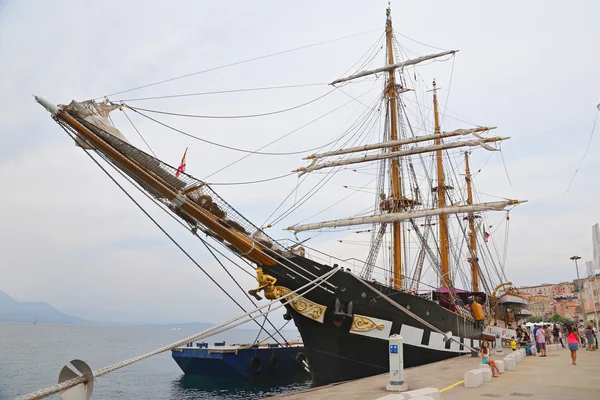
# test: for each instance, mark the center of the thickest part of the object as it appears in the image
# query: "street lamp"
(575, 258)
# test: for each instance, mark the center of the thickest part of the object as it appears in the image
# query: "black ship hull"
(339, 349)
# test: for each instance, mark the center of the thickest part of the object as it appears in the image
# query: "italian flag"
(486, 234)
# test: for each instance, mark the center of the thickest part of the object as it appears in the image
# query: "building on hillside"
(591, 296)
(545, 289)
(563, 289)
(567, 308)
(540, 305)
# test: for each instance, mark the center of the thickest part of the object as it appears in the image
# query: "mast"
(473, 240)
(441, 199)
(395, 176)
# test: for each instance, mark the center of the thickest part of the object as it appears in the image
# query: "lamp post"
(575, 258)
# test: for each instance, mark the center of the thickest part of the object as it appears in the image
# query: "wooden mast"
(473, 239)
(441, 199)
(395, 175)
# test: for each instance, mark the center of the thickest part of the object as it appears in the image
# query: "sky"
(70, 237)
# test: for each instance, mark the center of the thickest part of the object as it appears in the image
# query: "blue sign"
(393, 349)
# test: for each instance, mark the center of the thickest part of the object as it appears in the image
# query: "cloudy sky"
(71, 238)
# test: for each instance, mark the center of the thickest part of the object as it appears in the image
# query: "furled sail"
(97, 115)
(415, 150)
(394, 66)
(400, 142)
(401, 216)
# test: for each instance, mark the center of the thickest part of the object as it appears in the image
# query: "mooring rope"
(415, 316)
(40, 394)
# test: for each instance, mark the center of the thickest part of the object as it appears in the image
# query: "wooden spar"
(395, 174)
(441, 200)
(243, 244)
(402, 216)
(473, 239)
(391, 67)
(400, 153)
(400, 142)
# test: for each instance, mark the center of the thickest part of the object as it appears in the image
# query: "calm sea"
(31, 357)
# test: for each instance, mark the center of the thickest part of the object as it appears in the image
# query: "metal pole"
(575, 258)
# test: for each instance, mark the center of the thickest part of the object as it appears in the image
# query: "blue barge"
(242, 361)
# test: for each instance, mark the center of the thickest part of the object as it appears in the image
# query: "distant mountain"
(12, 310)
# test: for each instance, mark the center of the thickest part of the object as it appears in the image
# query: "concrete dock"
(548, 378)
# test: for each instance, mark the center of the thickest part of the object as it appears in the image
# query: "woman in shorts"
(573, 341)
(485, 359)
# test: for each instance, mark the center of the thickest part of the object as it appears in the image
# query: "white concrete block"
(518, 356)
(423, 398)
(432, 393)
(510, 363)
(486, 373)
(395, 396)
(474, 378)
(523, 352)
(500, 365)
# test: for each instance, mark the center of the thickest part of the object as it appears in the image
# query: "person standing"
(589, 338)
(536, 328)
(573, 341)
(555, 334)
(540, 337)
(548, 333)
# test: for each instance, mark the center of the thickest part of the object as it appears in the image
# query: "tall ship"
(427, 272)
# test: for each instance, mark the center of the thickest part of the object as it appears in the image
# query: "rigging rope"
(586, 149)
(286, 135)
(410, 313)
(138, 132)
(228, 325)
(177, 244)
(224, 92)
(233, 116)
(240, 62)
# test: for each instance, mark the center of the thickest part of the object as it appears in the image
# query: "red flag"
(182, 165)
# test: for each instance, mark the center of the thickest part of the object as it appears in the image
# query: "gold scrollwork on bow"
(361, 323)
(301, 305)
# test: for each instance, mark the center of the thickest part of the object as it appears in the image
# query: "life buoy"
(255, 365)
(274, 362)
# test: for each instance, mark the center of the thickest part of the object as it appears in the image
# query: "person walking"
(573, 341)
(485, 358)
(540, 337)
(561, 337)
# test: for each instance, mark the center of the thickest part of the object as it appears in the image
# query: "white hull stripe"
(414, 337)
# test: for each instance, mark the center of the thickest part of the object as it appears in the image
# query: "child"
(513, 344)
(485, 359)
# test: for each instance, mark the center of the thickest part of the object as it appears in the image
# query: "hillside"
(12, 310)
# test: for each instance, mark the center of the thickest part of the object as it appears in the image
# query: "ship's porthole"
(427, 312)
(408, 306)
(363, 295)
(342, 288)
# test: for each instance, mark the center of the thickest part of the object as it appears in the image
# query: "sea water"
(32, 355)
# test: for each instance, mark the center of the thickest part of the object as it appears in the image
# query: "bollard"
(499, 349)
(397, 383)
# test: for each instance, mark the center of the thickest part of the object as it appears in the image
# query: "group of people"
(534, 341)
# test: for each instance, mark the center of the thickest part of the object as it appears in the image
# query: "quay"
(548, 378)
